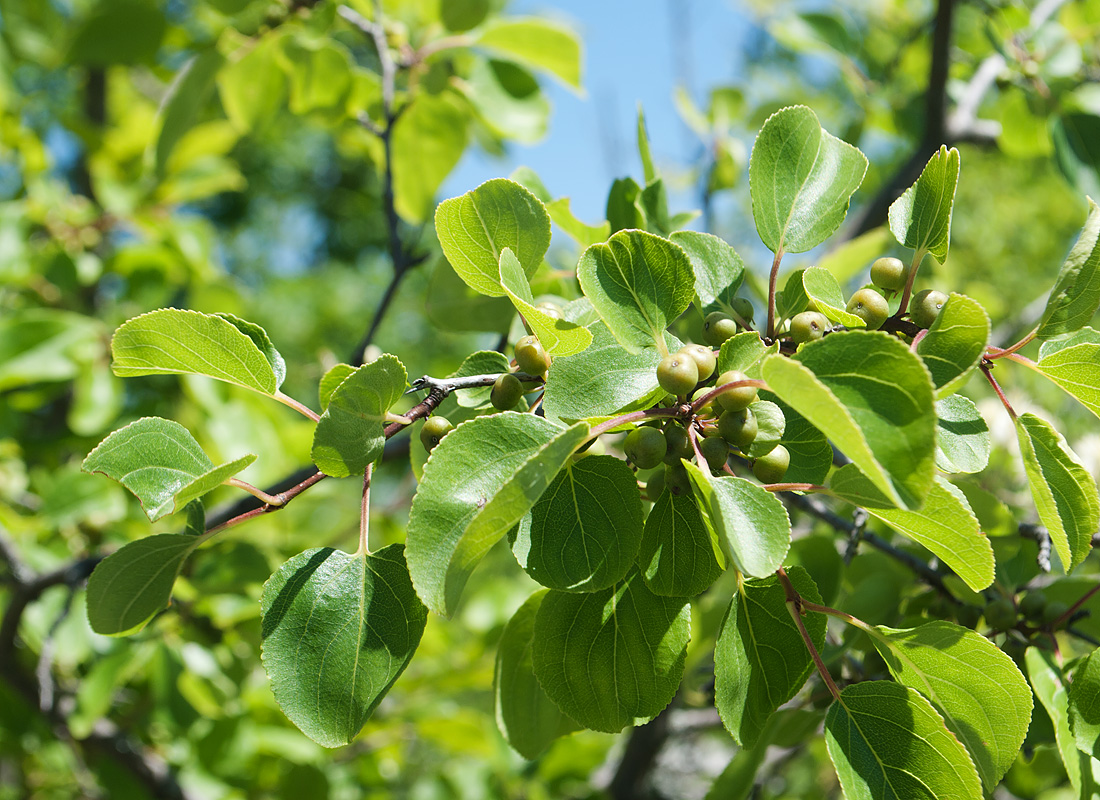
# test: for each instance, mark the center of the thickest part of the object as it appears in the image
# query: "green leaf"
(428, 140)
(921, 218)
(887, 427)
(827, 297)
(792, 299)
(585, 529)
(330, 380)
(717, 267)
(475, 228)
(1050, 687)
(625, 206)
(161, 463)
(508, 99)
(676, 556)
(133, 584)
(1076, 294)
(1084, 705)
(558, 336)
(478, 482)
(351, 432)
(319, 71)
(955, 344)
(1063, 490)
(603, 380)
(338, 630)
(760, 659)
(886, 741)
(186, 98)
(451, 305)
(944, 524)
(771, 425)
(585, 235)
(1084, 336)
(750, 523)
(537, 43)
(483, 362)
(118, 32)
(649, 172)
(962, 441)
(43, 344)
(611, 658)
(811, 453)
(801, 179)
(982, 696)
(745, 352)
(262, 341)
(526, 717)
(254, 88)
(639, 284)
(1076, 369)
(172, 341)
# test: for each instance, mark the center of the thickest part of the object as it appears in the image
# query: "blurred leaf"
(118, 32)
(319, 73)
(253, 89)
(1076, 294)
(41, 344)
(584, 234)
(508, 99)
(1076, 151)
(428, 140)
(186, 98)
(851, 257)
(537, 43)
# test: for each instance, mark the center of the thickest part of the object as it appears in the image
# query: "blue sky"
(635, 51)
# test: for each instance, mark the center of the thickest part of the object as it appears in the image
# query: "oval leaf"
(173, 341)
(337, 631)
(955, 343)
(677, 556)
(1077, 370)
(717, 267)
(962, 441)
(611, 658)
(745, 352)
(982, 696)
(801, 179)
(921, 218)
(536, 43)
(639, 284)
(827, 297)
(1076, 294)
(560, 337)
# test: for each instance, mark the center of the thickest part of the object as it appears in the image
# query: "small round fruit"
(531, 356)
(679, 446)
(889, 273)
(739, 428)
(434, 429)
(715, 451)
(1053, 611)
(926, 307)
(677, 480)
(677, 374)
(645, 447)
(1033, 604)
(703, 357)
(717, 327)
(708, 408)
(771, 467)
(1000, 614)
(808, 326)
(739, 397)
(742, 308)
(655, 485)
(507, 391)
(869, 306)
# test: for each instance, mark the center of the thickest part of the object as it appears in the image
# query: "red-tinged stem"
(772, 279)
(1072, 609)
(795, 487)
(281, 500)
(694, 439)
(286, 400)
(997, 388)
(795, 605)
(998, 352)
(918, 338)
(633, 416)
(255, 491)
(725, 387)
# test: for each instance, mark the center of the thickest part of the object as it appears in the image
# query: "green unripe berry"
(739, 397)
(869, 306)
(677, 374)
(679, 446)
(703, 357)
(717, 327)
(739, 428)
(742, 308)
(926, 307)
(889, 273)
(434, 429)
(1032, 605)
(677, 480)
(808, 326)
(715, 451)
(771, 467)
(1000, 614)
(655, 485)
(1053, 611)
(507, 391)
(701, 392)
(531, 356)
(645, 447)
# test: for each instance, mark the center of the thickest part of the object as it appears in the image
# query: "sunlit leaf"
(921, 218)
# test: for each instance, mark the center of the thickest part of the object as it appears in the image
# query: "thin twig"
(795, 607)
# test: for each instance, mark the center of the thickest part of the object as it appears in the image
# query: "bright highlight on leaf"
(921, 218)
(559, 336)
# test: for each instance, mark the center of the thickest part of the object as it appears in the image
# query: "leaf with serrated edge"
(130, 586)
(474, 229)
(717, 267)
(921, 218)
(887, 742)
(677, 556)
(760, 659)
(171, 341)
(560, 337)
(744, 352)
(962, 441)
(982, 696)
(262, 341)
(330, 380)
(482, 362)
(750, 523)
(955, 344)
(801, 179)
(585, 529)
(1076, 294)
(639, 284)
(479, 480)
(350, 434)
(944, 524)
(886, 426)
(611, 658)
(1064, 492)
(1049, 685)
(337, 632)
(1084, 336)
(526, 717)
(1084, 705)
(161, 463)
(1076, 369)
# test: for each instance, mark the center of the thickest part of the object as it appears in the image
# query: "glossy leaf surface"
(921, 218)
